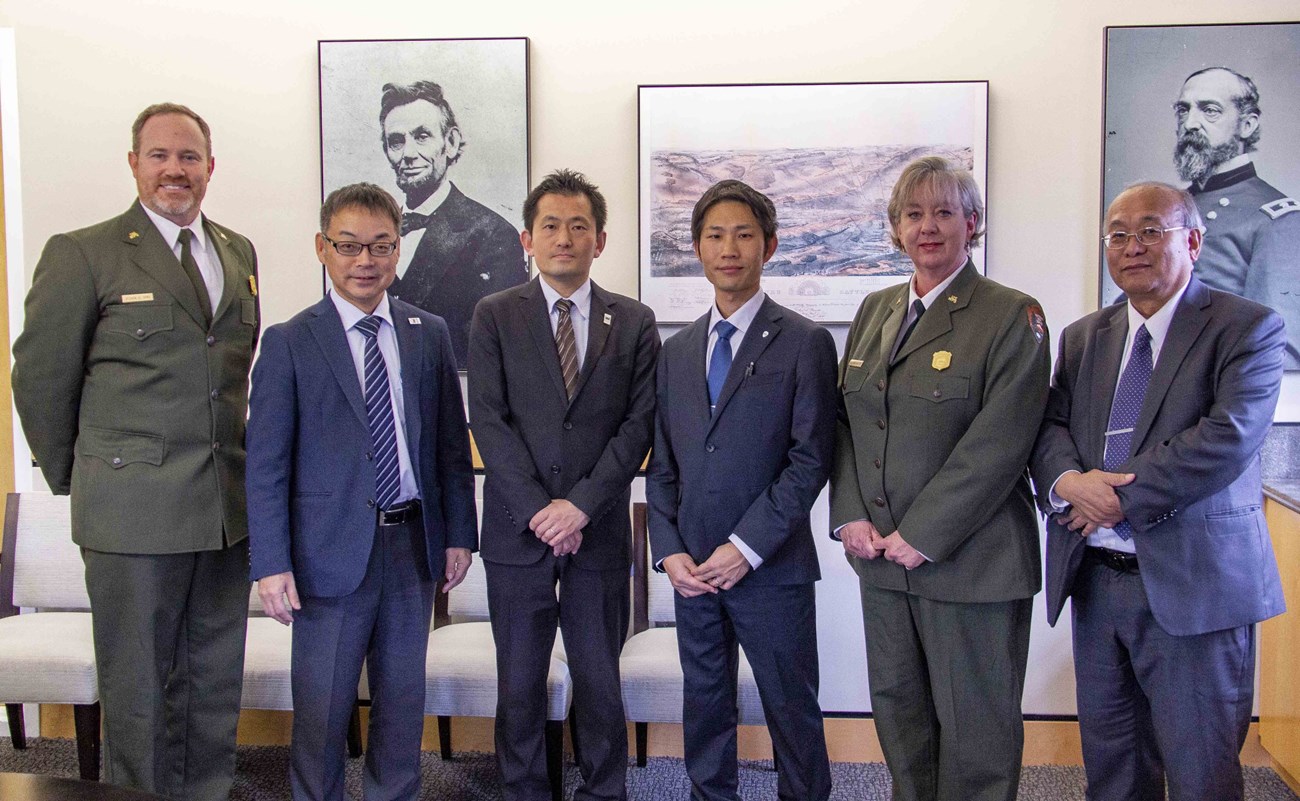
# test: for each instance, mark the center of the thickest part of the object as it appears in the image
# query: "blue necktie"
(720, 364)
(1125, 409)
(379, 410)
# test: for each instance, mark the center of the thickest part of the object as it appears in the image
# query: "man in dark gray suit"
(455, 250)
(742, 448)
(1148, 462)
(561, 400)
(131, 379)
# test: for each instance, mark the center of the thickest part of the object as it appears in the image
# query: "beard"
(1196, 159)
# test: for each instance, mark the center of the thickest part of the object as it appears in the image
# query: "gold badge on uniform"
(133, 235)
(941, 360)
(252, 284)
(855, 362)
(952, 298)
(139, 297)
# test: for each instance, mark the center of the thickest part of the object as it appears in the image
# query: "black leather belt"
(399, 514)
(1119, 561)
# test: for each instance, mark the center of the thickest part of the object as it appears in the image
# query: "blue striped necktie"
(379, 410)
(1124, 411)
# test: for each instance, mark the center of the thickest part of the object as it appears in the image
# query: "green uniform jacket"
(935, 445)
(128, 402)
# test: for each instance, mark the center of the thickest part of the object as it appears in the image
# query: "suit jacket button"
(211, 341)
(876, 462)
(880, 424)
(216, 446)
(555, 468)
(879, 502)
(370, 503)
(370, 457)
(213, 394)
(568, 426)
(139, 332)
(710, 448)
(937, 394)
(117, 460)
(880, 385)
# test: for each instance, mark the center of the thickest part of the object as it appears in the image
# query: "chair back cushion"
(48, 571)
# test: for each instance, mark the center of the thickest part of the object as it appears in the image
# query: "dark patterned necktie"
(720, 364)
(379, 410)
(191, 268)
(1125, 409)
(566, 346)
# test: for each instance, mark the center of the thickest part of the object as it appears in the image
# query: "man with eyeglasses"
(1252, 230)
(360, 497)
(1148, 465)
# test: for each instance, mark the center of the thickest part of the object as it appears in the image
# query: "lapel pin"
(413, 320)
(222, 234)
(764, 334)
(952, 298)
(941, 359)
(609, 318)
(252, 284)
(133, 235)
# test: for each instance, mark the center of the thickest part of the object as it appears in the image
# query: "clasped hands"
(863, 540)
(721, 571)
(559, 524)
(1092, 499)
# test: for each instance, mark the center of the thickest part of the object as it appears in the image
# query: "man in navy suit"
(1148, 463)
(743, 445)
(360, 497)
(561, 395)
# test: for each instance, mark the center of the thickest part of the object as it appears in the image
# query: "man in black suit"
(743, 446)
(455, 251)
(561, 400)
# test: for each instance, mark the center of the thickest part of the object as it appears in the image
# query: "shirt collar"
(171, 231)
(581, 298)
(351, 315)
(1158, 323)
(741, 318)
(930, 297)
(431, 204)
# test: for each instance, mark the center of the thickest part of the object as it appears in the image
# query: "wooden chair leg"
(444, 737)
(642, 743)
(17, 731)
(85, 721)
(354, 731)
(555, 758)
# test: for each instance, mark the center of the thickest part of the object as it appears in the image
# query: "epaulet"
(1279, 207)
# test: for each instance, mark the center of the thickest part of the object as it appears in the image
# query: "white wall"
(249, 66)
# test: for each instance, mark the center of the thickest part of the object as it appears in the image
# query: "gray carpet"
(264, 770)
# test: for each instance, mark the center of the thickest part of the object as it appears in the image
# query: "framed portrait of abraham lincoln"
(442, 124)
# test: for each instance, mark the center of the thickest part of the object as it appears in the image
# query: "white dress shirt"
(412, 239)
(1158, 328)
(203, 251)
(579, 315)
(742, 319)
(351, 315)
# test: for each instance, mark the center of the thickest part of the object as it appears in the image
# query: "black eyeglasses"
(1118, 240)
(355, 248)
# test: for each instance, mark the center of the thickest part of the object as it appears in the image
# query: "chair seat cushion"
(268, 647)
(48, 658)
(460, 674)
(651, 670)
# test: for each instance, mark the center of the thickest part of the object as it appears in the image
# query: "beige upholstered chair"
(650, 666)
(47, 655)
(460, 675)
